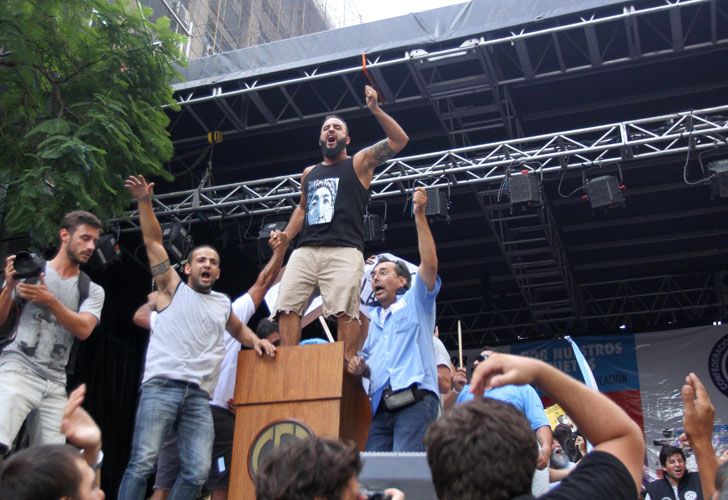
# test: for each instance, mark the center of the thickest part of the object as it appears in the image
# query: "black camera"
(28, 266)
(374, 494)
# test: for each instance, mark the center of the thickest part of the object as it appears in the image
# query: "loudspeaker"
(408, 472)
(604, 192)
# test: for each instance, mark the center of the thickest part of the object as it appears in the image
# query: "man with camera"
(398, 356)
(45, 310)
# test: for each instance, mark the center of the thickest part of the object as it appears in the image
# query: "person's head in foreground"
(48, 472)
(312, 468)
(721, 483)
(483, 449)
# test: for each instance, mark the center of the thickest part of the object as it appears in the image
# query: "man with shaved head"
(183, 359)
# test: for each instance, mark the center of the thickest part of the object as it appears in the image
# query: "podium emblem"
(273, 435)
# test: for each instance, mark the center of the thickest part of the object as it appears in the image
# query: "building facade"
(215, 26)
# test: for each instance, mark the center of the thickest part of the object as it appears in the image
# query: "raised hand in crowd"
(698, 420)
(600, 420)
(80, 428)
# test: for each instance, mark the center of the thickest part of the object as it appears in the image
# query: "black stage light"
(268, 227)
(524, 189)
(719, 179)
(374, 228)
(176, 240)
(436, 203)
(604, 191)
(107, 253)
(264, 233)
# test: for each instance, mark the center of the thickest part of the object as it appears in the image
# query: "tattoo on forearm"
(381, 151)
(160, 268)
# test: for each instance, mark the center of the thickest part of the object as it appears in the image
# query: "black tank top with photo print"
(335, 203)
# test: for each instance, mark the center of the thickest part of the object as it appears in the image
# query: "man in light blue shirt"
(524, 398)
(398, 355)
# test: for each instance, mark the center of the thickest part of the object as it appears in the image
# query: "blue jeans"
(404, 429)
(166, 404)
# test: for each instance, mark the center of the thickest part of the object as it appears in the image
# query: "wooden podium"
(304, 390)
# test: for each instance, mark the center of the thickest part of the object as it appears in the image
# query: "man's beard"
(559, 460)
(332, 153)
(196, 284)
(73, 258)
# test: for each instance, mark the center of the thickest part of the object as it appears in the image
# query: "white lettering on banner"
(612, 378)
(716, 363)
(607, 349)
(590, 351)
(566, 365)
(563, 357)
(563, 353)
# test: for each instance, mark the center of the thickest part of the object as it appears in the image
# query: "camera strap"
(8, 329)
(84, 283)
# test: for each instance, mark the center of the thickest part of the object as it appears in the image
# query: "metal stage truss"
(488, 66)
(475, 105)
(653, 302)
(545, 155)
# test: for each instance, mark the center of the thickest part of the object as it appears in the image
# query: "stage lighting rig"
(107, 253)
(719, 178)
(524, 189)
(604, 192)
(436, 204)
(264, 234)
(176, 240)
(374, 228)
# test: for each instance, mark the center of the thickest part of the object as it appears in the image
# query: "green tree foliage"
(82, 84)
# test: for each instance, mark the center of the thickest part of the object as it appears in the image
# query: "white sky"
(374, 10)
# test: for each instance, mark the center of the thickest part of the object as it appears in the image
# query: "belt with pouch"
(402, 398)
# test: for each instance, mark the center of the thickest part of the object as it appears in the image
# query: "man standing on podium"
(398, 356)
(330, 218)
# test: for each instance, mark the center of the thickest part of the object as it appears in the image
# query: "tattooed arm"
(366, 160)
(164, 275)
